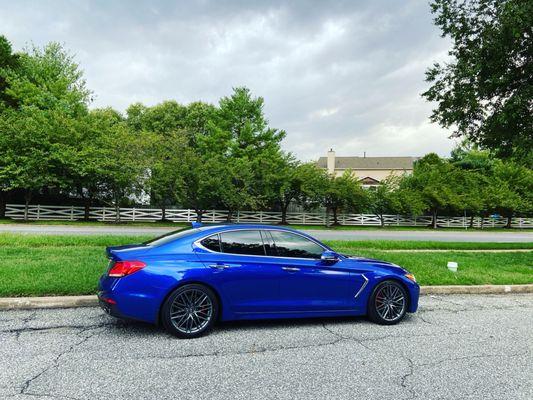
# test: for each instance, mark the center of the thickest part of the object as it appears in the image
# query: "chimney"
(331, 161)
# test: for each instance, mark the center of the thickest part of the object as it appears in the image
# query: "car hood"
(372, 262)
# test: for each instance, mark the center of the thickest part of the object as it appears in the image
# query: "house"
(370, 170)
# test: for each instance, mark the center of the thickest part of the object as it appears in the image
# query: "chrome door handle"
(290, 269)
(218, 266)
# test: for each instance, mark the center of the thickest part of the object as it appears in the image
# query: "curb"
(28, 303)
(478, 289)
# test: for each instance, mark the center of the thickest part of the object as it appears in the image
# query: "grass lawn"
(38, 265)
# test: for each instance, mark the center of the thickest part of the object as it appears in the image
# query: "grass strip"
(39, 265)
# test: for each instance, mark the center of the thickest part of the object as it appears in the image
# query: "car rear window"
(171, 236)
(212, 243)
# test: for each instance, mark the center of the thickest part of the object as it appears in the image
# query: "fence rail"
(73, 213)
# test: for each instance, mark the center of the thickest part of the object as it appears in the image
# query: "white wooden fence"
(40, 212)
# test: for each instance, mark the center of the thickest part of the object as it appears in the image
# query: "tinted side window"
(291, 245)
(270, 249)
(212, 243)
(242, 242)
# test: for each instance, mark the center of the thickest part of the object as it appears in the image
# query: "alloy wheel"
(191, 311)
(390, 302)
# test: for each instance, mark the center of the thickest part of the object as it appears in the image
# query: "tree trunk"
(3, 204)
(434, 219)
(163, 213)
(509, 222)
(284, 214)
(27, 199)
(230, 213)
(381, 220)
(199, 214)
(471, 224)
(335, 220)
(87, 202)
(117, 208)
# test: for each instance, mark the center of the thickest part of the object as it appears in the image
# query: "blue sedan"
(188, 280)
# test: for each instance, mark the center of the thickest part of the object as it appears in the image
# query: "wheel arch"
(390, 278)
(191, 282)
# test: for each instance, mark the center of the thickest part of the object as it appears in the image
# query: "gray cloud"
(343, 74)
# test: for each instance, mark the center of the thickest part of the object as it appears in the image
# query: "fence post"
(103, 214)
(72, 213)
(133, 214)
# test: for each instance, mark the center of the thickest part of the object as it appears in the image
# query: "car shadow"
(138, 328)
(124, 326)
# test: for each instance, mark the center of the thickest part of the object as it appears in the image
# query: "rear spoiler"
(111, 249)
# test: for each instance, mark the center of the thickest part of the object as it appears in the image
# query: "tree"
(242, 132)
(485, 91)
(511, 189)
(342, 193)
(9, 64)
(435, 181)
(123, 168)
(384, 198)
(295, 183)
(169, 156)
(49, 92)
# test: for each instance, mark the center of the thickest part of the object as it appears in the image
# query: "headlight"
(411, 277)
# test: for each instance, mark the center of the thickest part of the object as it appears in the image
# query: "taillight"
(123, 268)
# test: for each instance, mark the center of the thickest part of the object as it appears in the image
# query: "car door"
(238, 270)
(308, 283)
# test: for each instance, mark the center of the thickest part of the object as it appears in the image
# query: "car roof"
(230, 227)
(201, 231)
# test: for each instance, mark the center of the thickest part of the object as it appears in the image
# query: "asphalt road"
(456, 347)
(444, 236)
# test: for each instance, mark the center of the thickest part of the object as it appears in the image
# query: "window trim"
(198, 243)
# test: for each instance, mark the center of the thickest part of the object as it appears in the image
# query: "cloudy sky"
(341, 74)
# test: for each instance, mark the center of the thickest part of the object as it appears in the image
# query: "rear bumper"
(108, 307)
(127, 298)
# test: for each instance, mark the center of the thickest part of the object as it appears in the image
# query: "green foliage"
(485, 91)
(385, 198)
(9, 63)
(435, 182)
(336, 193)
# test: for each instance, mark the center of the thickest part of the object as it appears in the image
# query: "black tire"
(190, 311)
(388, 303)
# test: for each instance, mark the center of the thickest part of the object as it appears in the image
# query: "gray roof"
(369, 162)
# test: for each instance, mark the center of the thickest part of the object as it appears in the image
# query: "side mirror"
(329, 257)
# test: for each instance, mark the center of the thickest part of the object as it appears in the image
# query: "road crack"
(24, 389)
